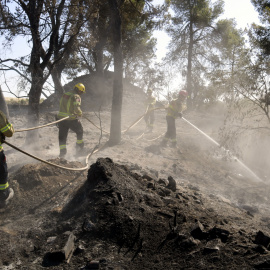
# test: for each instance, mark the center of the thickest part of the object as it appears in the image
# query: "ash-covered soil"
(138, 206)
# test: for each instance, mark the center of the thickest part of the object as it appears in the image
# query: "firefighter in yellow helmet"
(149, 117)
(6, 193)
(70, 104)
(174, 110)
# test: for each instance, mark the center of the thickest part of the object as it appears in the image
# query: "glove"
(3, 137)
(180, 115)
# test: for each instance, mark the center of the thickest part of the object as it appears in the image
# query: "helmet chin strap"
(77, 91)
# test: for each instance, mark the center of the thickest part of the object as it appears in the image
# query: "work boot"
(80, 150)
(5, 197)
(63, 152)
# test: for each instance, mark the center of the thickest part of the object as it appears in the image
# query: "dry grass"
(16, 101)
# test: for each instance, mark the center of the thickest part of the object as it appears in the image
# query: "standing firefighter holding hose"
(70, 106)
(149, 117)
(6, 193)
(174, 110)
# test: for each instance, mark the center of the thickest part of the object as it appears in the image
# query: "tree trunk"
(3, 104)
(115, 130)
(56, 77)
(33, 107)
(98, 56)
(189, 66)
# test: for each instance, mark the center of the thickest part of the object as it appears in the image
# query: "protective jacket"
(175, 107)
(5, 128)
(150, 102)
(266, 99)
(70, 106)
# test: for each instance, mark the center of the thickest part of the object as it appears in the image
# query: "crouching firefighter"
(6, 193)
(174, 110)
(70, 104)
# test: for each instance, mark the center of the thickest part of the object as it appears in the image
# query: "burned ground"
(138, 206)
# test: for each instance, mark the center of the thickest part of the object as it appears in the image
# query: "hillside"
(138, 206)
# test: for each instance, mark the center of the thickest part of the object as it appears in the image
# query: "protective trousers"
(75, 126)
(171, 129)
(149, 119)
(3, 173)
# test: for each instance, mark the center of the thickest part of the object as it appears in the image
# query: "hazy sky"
(242, 10)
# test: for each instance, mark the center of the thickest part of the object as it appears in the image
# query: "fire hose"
(49, 124)
(217, 144)
(55, 165)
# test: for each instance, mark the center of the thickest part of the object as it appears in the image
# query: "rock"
(262, 239)
(187, 242)
(260, 249)
(212, 246)
(56, 257)
(164, 191)
(198, 231)
(219, 233)
(88, 226)
(262, 263)
(148, 177)
(172, 184)
(250, 209)
(92, 265)
(134, 167)
(51, 239)
(162, 182)
(151, 185)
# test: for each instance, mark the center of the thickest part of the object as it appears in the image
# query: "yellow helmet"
(80, 87)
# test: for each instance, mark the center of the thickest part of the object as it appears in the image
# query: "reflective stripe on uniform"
(63, 146)
(6, 128)
(79, 141)
(63, 114)
(171, 107)
(4, 186)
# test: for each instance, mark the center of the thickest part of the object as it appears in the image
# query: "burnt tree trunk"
(33, 107)
(115, 130)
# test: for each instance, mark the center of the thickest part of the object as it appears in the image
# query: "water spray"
(234, 157)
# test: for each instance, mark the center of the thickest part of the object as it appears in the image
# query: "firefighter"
(150, 113)
(266, 99)
(70, 104)
(174, 110)
(6, 193)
